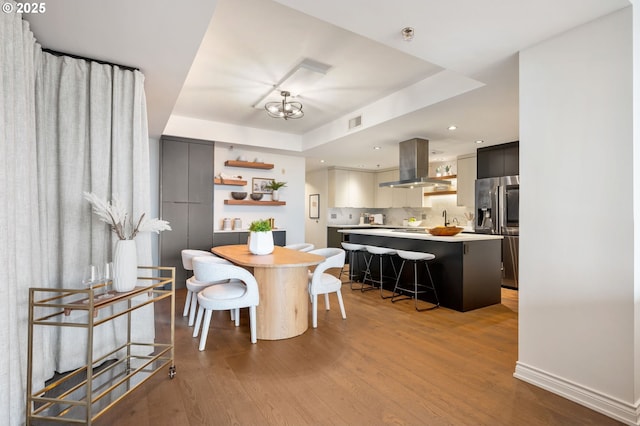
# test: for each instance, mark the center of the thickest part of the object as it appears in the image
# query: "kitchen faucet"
(444, 213)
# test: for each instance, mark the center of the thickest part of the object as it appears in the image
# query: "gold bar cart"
(83, 395)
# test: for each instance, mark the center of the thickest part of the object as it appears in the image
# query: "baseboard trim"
(612, 407)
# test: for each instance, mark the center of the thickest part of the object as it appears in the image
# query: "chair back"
(304, 247)
(334, 259)
(189, 254)
(207, 269)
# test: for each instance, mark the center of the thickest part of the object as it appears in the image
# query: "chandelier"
(284, 109)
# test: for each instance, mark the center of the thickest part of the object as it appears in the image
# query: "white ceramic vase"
(275, 195)
(260, 242)
(125, 266)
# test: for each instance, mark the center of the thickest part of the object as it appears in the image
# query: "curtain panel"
(67, 126)
(20, 251)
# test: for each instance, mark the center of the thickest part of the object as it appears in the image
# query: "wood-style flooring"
(384, 364)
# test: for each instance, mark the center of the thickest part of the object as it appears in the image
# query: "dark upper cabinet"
(512, 159)
(499, 160)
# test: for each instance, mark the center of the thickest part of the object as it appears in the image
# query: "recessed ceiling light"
(407, 33)
(322, 161)
(376, 147)
(479, 141)
(452, 127)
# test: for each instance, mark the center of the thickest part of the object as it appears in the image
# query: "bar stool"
(415, 258)
(381, 253)
(354, 250)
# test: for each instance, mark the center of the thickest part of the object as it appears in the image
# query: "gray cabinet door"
(173, 242)
(187, 200)
(174, 179)
(201, 174)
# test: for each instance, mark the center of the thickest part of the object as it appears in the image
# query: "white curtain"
(20, 251)
(91, 136)
(68, 126)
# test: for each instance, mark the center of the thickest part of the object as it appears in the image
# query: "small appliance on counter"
(378, 219)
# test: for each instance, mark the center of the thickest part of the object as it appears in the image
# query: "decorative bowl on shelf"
(256, 197)
(414, 223)
(239, 195)
(446, 231)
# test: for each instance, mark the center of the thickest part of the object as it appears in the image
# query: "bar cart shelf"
(83, 395)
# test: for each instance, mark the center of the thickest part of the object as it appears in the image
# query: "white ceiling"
(213, 60)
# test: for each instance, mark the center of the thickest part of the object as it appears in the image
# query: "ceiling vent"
(355, 122)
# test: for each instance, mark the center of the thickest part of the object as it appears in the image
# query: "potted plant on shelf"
(274, 186)
(260, 237)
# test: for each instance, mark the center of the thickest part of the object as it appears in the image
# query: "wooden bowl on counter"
(445, 231)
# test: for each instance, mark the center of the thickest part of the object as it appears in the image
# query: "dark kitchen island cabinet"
(466, 270)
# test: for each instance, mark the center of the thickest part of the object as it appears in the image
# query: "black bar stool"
(381, 253)
(417, 288)
(354, 250)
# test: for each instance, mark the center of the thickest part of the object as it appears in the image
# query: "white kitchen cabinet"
(414, 197)
(361, 188)
(396, 197)
(384, 195)
(350, 188)
(466, 180)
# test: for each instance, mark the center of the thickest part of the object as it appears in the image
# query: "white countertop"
(462, 237)
(363, 226)
(216, 231)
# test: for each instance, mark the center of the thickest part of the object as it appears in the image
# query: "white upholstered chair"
(323, 283)
(191, 300)
(305, 247)
(240, 292)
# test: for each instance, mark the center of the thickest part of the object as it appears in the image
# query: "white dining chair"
(322, 282)
(240, 292)
(304, 247)
(194, 286)
(187, 264)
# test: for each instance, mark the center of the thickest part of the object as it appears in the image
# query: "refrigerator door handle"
(495, 211)
(500, 211)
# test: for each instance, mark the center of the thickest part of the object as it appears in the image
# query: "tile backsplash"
(430, 216)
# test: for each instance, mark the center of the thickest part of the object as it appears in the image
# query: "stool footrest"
(400, 293)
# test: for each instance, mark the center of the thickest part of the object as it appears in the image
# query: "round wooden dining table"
(282, 278)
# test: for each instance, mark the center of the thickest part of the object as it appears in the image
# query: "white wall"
(636, 181)
(287, 168)
(577, 309)
(316, 229)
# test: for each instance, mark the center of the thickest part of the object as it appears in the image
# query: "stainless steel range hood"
(414, 166)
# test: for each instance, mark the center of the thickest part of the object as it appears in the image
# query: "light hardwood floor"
(384, 364)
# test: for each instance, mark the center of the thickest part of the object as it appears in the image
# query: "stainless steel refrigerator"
(498, 212)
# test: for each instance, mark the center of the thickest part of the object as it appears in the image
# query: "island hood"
(414, 166)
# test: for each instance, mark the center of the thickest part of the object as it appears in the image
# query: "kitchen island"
(466, 271)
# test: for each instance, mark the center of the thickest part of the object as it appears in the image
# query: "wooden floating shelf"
(428, 194)
(234, 182)
(444, 177)
(248, 164)
(254, 203)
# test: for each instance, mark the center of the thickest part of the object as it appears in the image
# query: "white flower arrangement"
(116, 216)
